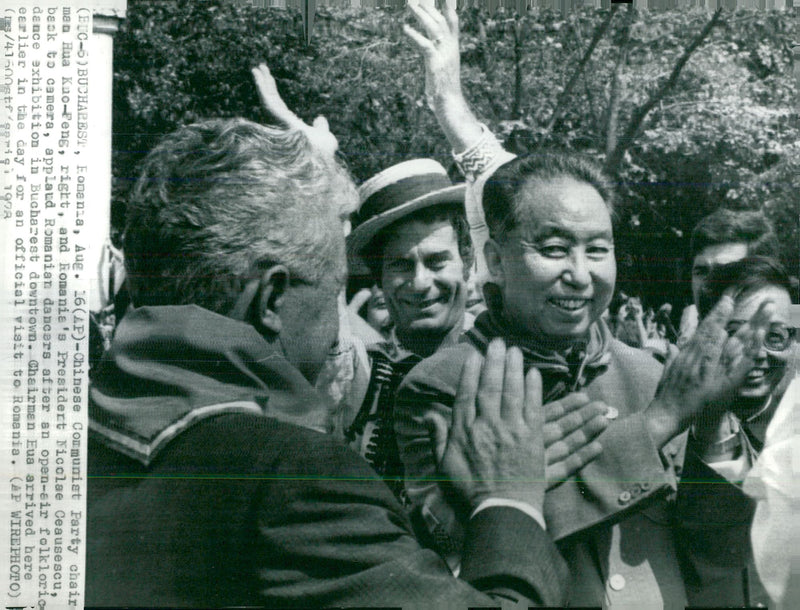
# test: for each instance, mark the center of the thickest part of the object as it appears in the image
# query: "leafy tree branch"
(639, 114)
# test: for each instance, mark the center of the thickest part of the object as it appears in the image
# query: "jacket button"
(645, 486)
(612, 413)
(617, 582)
(624, 497)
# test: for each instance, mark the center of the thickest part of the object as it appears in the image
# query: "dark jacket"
(713, 518)
(205, 491)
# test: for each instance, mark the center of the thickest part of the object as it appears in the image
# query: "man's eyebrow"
(544, 232)
(604, 234)
(390, 258)
(547, 231)
(445, 253)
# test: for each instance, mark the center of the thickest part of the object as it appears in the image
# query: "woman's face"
(556, 268)
(771, 362)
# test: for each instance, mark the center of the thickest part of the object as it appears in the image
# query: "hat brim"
(362, 235)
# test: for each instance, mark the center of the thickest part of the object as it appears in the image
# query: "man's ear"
(494, 261)
(274, 284)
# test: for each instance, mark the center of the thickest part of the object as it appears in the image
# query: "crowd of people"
(486, 422)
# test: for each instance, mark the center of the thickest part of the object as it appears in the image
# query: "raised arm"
(439, 48)
(318, 132)
(475, 149)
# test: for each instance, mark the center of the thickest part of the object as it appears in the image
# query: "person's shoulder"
(266, 444)
(440, 370)
(634, 359)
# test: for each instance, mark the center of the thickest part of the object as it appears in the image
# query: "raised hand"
(707, 371)
(439, 49)
(318, 133)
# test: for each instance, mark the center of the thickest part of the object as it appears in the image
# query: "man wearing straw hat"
(411, 236)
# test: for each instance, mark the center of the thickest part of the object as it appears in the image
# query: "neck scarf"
(563, 370)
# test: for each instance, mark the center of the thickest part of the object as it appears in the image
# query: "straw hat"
(393, 194)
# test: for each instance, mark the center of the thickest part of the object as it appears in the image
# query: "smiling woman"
(754, 280)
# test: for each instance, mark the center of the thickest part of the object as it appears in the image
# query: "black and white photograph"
(401, 303)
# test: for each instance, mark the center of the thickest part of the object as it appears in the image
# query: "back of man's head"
(730, 227)
(221, 200)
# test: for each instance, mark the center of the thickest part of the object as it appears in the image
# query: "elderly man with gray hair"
(211, 479)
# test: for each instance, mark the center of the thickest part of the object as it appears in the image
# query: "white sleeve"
(526, 508)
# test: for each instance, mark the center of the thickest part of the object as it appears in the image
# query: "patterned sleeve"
(477, 163)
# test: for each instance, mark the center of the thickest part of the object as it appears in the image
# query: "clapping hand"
(704, 375)
(499, 425)
(495, 446)
(572, 425)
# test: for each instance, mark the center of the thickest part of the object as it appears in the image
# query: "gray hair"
(220, 201)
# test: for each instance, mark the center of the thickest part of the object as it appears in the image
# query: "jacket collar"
(172, 366)
(394, 351)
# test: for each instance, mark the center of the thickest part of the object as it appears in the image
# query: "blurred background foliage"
(722, 131)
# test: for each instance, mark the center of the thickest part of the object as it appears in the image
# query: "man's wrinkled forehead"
(559, 207)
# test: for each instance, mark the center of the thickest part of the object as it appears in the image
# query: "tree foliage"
(727, 133)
